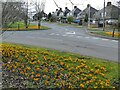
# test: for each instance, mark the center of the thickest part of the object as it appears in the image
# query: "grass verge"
(33, 67)
(14, 26)
(104, 33)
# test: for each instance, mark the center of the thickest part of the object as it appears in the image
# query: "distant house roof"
(76, 11)
(66, 11)
(86, 11)
(111, 12)
(59, 11)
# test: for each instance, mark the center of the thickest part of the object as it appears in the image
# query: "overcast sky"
(82, 4)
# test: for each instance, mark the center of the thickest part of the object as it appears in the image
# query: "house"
(112, 13)
(66, 12)
(86, 12)
(56, 12)
(60, 12)
(39, 15)
(75, 11)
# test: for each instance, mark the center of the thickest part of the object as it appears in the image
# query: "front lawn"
(33, 67)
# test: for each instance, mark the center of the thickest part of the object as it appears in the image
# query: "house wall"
(115, 12)
(111, 12)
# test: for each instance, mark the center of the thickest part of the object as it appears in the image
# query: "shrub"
(70, 19)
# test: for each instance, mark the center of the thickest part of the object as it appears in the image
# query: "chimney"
(75, 7)
(66, 7)
(109, 3)
(88, 5)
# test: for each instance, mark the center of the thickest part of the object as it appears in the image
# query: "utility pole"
(89, 18)
(72, 4)
(104, 17)
(0, 14)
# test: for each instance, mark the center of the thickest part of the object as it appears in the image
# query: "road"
(66, 38)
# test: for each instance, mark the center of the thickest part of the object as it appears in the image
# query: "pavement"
(66, 38)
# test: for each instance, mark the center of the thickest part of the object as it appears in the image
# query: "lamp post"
(104, 17)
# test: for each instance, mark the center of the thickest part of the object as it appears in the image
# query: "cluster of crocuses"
(25, 67)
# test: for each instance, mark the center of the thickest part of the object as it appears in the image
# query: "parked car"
(112, 21)
(76, 20)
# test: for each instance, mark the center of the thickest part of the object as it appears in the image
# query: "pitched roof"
(86, 10)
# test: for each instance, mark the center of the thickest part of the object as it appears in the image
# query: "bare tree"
(10, 13)
(13, 11)
(39, 7)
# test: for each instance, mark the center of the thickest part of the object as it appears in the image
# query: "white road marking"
(105, 39)
(114, 40)
(70, 32)
(64, 35)
(52, 34)
(41, 38)
(79, 36)
(95, 38)
(57, 34)
(87, 37)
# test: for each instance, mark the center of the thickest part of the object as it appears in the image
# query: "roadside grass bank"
(33, 67)
(21, 26)
(108, 32)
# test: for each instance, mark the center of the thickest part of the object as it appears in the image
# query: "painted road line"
(57, 34)
(95, 38)
(64, 35)
(105, 39)
(114, 40)
(87, 37)
(70, 32)
(52, 34)
(79, 36)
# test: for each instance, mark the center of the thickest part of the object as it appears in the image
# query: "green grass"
(68, 59)
(15, 25)
(102, 62)
(95, 29)
(103, 33)
(22, 25)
